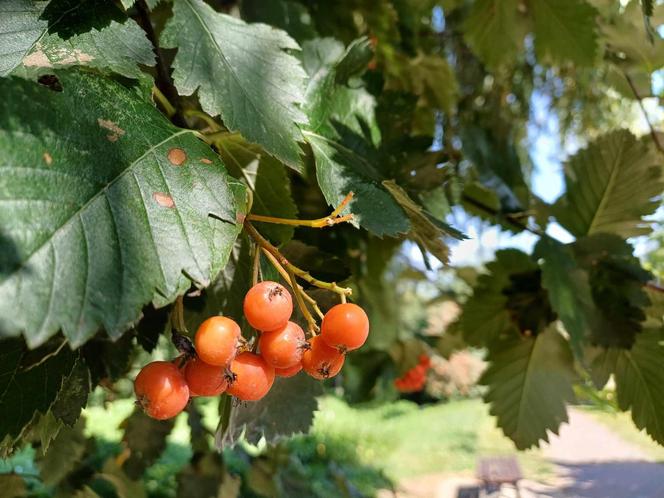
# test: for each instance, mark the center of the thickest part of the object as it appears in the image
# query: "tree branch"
(653, 132)
(164, 81)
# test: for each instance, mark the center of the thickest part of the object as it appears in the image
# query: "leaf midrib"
(526, 382)
(615, 168)
(92, 199)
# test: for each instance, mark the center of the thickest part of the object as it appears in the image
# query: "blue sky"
(547, 181)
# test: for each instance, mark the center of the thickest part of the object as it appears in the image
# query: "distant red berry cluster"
(223, 363)
(415, 378)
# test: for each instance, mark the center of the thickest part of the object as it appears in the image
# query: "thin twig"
(297, 290)
(256, 265)
(284, 274)
(304, 275)
(653, 132)
(489, 210)
(163, 80)
(333, 219)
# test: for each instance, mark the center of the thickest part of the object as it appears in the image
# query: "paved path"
(593, 462)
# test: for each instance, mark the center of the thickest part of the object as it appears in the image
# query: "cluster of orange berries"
(223, 363)
(415, 378)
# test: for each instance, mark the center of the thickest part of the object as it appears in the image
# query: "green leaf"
(119, 48)
(107, 359)
(30, 381)
(602, 364)
(47, 429)
(498, 165)
(617, 283)
(342, 135)
(267, 178)
(485, 315)
(274, 416)
(145, 438)
(242, 72)
(425, 229)
(206, 477)
(124, 486)
(63, 455)
(106, 207)
(320, 264)
(74, 394)
(430, 77)
(565, 30)
(492, 29)
(329, 66)
(568, 289)
(288, 15)
(68, 34)
(611, 185)
(530, 382)
(20, 28)
(639, 381)
(627, 36)
(354, 61)
(341, 170)
(152, 325)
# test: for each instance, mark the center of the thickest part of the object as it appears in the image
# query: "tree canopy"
(137, 137)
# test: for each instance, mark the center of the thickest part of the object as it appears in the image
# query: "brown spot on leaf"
(205, 160)
(177, 156)
(164, 200)
(116, 131)
(59, 56)
(37, 59)
(48, 159)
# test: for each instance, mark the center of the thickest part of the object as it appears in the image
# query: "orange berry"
(217, 340)
(288, 372)
(204, 379)
(253, 377)
(268, 306)
(161, 390)
(345, 327)
(321, 361)
(283, 348)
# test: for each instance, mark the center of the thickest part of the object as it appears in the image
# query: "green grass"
(405, 440)
(621, 424)
(364, 446)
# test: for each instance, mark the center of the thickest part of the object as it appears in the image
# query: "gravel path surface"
(593, 462)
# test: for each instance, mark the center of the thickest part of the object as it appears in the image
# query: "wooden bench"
(496, 471)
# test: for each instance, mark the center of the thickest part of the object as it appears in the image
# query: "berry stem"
(177, 316)
(290, 268)
(333, 219)
(284, 274)
(212, 124)
(297, 290)
(168, 108)
(256, 265)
